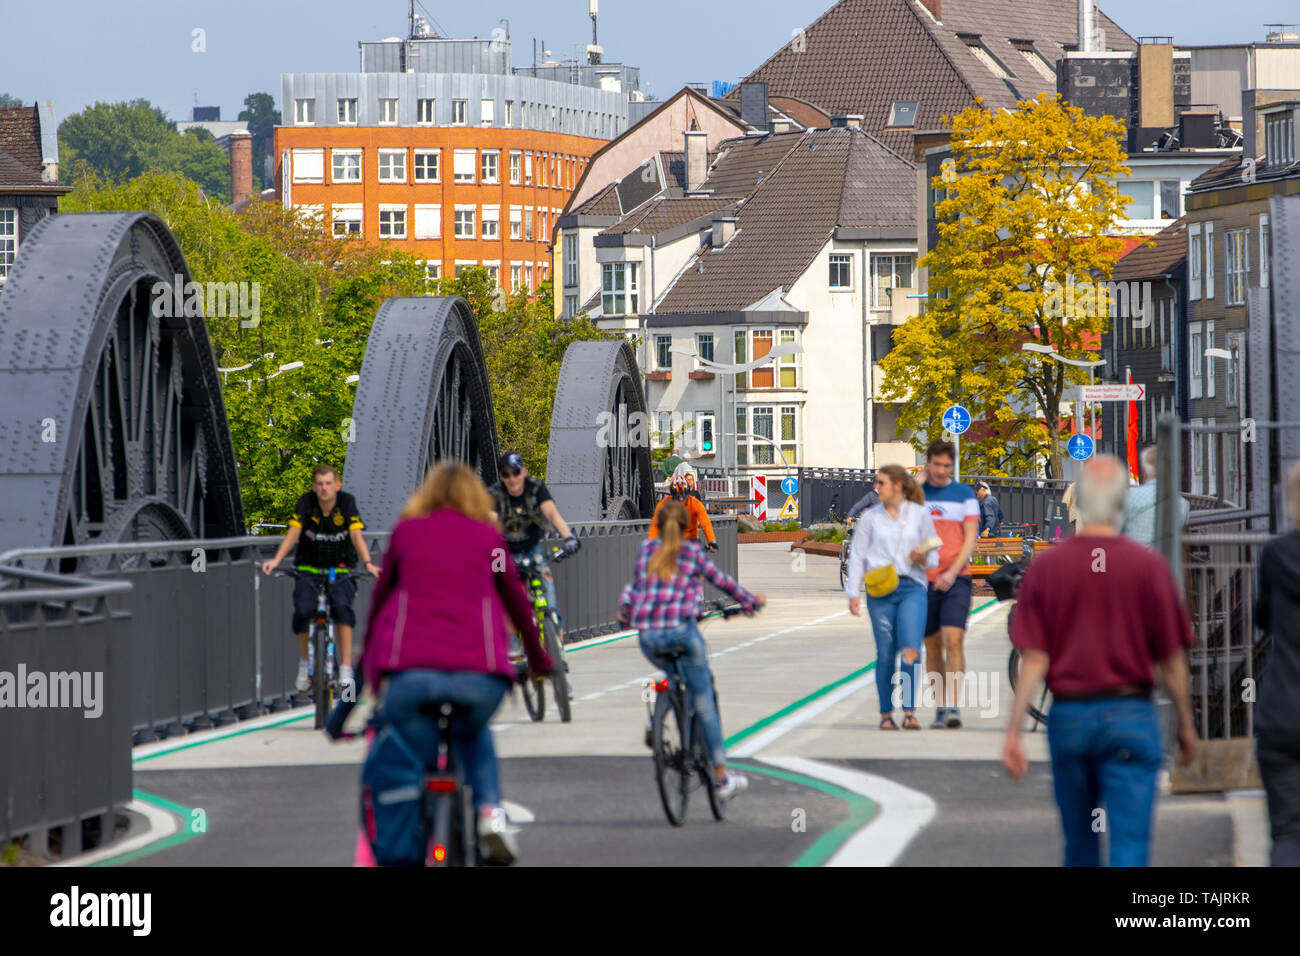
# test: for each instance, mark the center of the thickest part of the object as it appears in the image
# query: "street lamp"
(1049, 351)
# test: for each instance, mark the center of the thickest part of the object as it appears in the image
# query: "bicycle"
(679, 768)
(548, 624)
(845, 547)
(320, 644)
(1005, 588)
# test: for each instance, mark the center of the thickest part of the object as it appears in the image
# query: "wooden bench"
(995, 551)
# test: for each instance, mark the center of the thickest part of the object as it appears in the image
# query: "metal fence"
(65, 739)
(1024, 501)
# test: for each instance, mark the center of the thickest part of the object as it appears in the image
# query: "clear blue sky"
(76, 52)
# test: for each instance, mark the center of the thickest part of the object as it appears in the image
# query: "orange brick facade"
(557, 161)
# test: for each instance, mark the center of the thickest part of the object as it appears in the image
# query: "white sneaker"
(496, 837)
(732, 784)
(303, 683)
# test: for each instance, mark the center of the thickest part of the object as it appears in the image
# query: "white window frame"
(516, 222)
(432, 270)
(783, 337)
(877, 260)
(461, 157)
(346, 110)
(663, 346)
(516, 276)
(1209, 371)
(528, 224)
(490, 214)
(416, 166)
(1236, 265)
(492, 158)
(390, 155)
(789, 445)
(8, 239)
(1209, 260)
(463, 228)
(838, 259)
(1195, 261)
(1233, 393)
(509, 119)
(493, 267)
(426, 111)
(1198, 458)
(337, 153)
(392, 209)
(304, 111)
(459, 111)
(528, 167)
(528, 276)
(1195, 359)
(464, 264)
(315, 153)
(428, 221)
(388, 111)
(516, 166)
(570, 245)
(1265, 250)
(487, 112)
(346, 213)
(700, 357)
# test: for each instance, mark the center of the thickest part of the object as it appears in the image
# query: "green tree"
(119, 141)
(7, 100)
(262, 118)
(1027, 211)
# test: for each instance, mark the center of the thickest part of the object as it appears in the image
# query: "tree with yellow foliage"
(1024, 210)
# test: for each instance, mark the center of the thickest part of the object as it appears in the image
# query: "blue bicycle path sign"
(956, 419)
(1080, 447)
(790, 486)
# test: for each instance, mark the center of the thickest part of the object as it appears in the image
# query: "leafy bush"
(789, 524)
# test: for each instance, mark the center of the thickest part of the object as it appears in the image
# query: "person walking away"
(662, 601)
(955, 511)
(895, 535)
(1277, 714)
(990, 512)
(1140, 507)
(1097, 643)
(437, 633)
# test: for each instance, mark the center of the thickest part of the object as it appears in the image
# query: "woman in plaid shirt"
(662, 601)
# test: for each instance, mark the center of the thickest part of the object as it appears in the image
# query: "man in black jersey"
(326, 527)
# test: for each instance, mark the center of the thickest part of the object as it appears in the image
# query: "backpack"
(391, 800)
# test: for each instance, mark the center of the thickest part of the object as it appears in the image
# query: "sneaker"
(940, 719)
(303, 683)
(496, 839)
(731, 785)
(954, 717)
(347, 679)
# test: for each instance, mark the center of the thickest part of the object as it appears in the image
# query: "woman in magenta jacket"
(437, 631)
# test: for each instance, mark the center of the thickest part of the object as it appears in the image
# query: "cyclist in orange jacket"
(698, 518)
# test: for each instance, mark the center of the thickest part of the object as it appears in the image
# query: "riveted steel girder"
(423, 396)
(112, 425)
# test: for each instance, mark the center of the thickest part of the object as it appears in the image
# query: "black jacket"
(1277, 611)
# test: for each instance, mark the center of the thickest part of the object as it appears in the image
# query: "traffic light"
(706, 435)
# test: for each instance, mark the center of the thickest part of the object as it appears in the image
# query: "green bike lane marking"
(183, 832)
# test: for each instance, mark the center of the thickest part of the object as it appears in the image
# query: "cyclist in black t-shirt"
(326, 527)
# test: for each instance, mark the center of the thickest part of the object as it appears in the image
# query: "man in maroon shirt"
(1094, 616)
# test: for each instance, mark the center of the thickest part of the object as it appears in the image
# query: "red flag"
(1132, 451)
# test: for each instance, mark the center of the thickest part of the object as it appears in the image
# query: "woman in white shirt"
(898, 531)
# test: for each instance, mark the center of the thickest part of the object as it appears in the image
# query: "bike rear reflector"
(439, 853)
(442, 785)
(661, 686)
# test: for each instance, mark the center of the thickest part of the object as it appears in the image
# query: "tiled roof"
(604, 203)
(789, 218)
(861, 56)
(1215, 173)
(1147, 261)
(20, 147)
(667, 212)
(741, 160)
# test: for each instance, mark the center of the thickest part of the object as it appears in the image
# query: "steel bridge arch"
(423, 396)
(598, 463)
(112, 426)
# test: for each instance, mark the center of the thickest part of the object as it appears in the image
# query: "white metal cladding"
(1284, 216)
(573, 102)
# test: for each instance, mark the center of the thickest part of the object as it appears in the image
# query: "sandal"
(887, 722)
(910, 722)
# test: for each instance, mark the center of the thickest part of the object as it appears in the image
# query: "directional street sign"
(790, 486)
(1114, 393)
(956, 419)
(1080, 447)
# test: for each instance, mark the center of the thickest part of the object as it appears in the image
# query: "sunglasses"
(510, 473)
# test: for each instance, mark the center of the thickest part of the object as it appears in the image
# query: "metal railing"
(65, 740)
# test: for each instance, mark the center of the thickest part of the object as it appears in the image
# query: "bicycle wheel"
(559, 677)
(534, 698)
(1039, 713)
(672, 774)
(844, 565)
(320, 678)
(707, 770)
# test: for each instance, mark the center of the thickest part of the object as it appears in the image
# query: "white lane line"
(901, 812)
(753, 745)
(161, 825)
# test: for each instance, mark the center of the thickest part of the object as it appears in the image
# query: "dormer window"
(1279, 137)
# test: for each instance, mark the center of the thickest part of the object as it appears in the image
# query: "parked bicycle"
(548, 624)
(845, 547)
(1005, 582)
(681, 756)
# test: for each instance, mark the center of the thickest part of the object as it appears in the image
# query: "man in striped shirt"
(956, 514)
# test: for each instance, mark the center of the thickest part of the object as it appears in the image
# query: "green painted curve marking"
(180, 836)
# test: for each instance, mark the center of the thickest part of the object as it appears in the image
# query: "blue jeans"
(898, 623)
(655, 645)
(476, 696)
(1105, 755)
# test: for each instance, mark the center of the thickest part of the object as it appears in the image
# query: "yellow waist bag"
(881, 581)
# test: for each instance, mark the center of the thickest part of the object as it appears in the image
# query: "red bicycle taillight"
(439, 853)
(441, 785)
(661, 686)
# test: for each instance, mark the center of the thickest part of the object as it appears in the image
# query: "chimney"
(1155, 92)
(753, 106)
(1087, 25)
(847, 121)
(782, 125)
(724, 227)
(241, 165)
(697, 158)
(934, 7)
